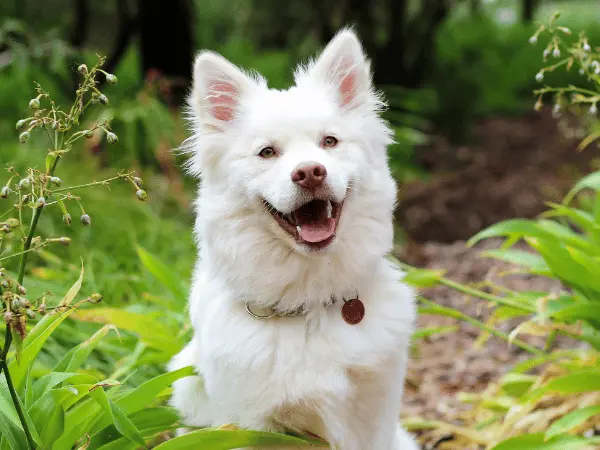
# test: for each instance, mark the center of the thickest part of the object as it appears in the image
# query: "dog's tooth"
(298, 229)
(329, 210)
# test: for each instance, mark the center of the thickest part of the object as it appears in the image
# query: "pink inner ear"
(347, 82)
(222, 98)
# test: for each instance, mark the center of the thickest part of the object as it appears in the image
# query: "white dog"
(300, 321)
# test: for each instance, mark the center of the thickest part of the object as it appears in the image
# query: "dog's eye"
(267, 152)
(329, 142)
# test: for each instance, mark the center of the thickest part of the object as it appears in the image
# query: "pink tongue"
(317, 232)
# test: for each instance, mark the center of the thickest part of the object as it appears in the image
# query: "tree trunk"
(167, 42)
(528, 10)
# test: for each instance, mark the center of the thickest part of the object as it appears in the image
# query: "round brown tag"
(353, 311)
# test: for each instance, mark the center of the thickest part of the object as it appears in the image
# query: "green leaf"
(45, 383)
(11, 413)
(144, 395)
(73, 291)
(152, 332)
(540, 229)
(519, 258)
(591, 181)
(516, 384)
(32, 345)
(537, 442)
(423, 333)
(572, 420)
(125, 426)
(117, 416)
(48, 414)
(423, 278)
(76, 356)
(211, 439)
(149, 421)
(163, 273)
(575, 383)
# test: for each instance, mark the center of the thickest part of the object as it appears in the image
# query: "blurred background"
(458, 76)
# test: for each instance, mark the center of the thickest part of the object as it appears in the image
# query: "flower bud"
(533, 39)
(86, 220)
(111, 79)
(556, 52)
(8, 317)
(34, 103)
(67, 219)
(55, 125)
(22, 290)
(111, 137)
(5, 284)
(12, 223)
(64, 241)
(16, 304)
(539, 77)
(20, 124)
(30, 313)
(546, 53)
(138, 181)
(42, 309)
(103, 99)
(24, 137)
(4, 193)
(587, 47)
(24, 184)
(82, 69)
(55, 181)
(95, 298)
(41, 202)
(89, 134)
(142, 195)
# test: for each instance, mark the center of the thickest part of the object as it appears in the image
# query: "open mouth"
(313, 224)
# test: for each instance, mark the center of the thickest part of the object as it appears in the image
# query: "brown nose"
(309, 175)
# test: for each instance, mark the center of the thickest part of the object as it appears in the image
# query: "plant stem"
(24, 251)
(27, 246)
(95, 183)
(17, 404)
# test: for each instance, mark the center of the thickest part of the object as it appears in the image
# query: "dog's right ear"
(218, 88)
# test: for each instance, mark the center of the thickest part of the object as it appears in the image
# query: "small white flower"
(556, 110)
(586, 47)
(539, 77)
(593, 109)
(556, 52)
(533, 39)
(546, 53)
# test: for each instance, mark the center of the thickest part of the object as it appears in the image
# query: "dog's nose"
(309, 175)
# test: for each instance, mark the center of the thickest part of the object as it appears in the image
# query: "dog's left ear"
(344, 67)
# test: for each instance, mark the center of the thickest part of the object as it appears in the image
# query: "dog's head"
(299, 166)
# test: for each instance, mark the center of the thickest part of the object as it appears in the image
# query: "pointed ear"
(218, 88)
(344, 67)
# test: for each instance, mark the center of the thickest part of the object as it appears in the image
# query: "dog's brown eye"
(329, 141)
(267, 152)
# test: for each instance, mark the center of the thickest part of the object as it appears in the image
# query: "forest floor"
(512, 168)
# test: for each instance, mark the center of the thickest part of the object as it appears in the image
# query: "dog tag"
(353, 311)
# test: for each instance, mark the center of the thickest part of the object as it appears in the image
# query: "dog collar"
(353, 310)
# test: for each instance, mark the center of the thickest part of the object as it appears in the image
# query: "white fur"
(313, 372)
